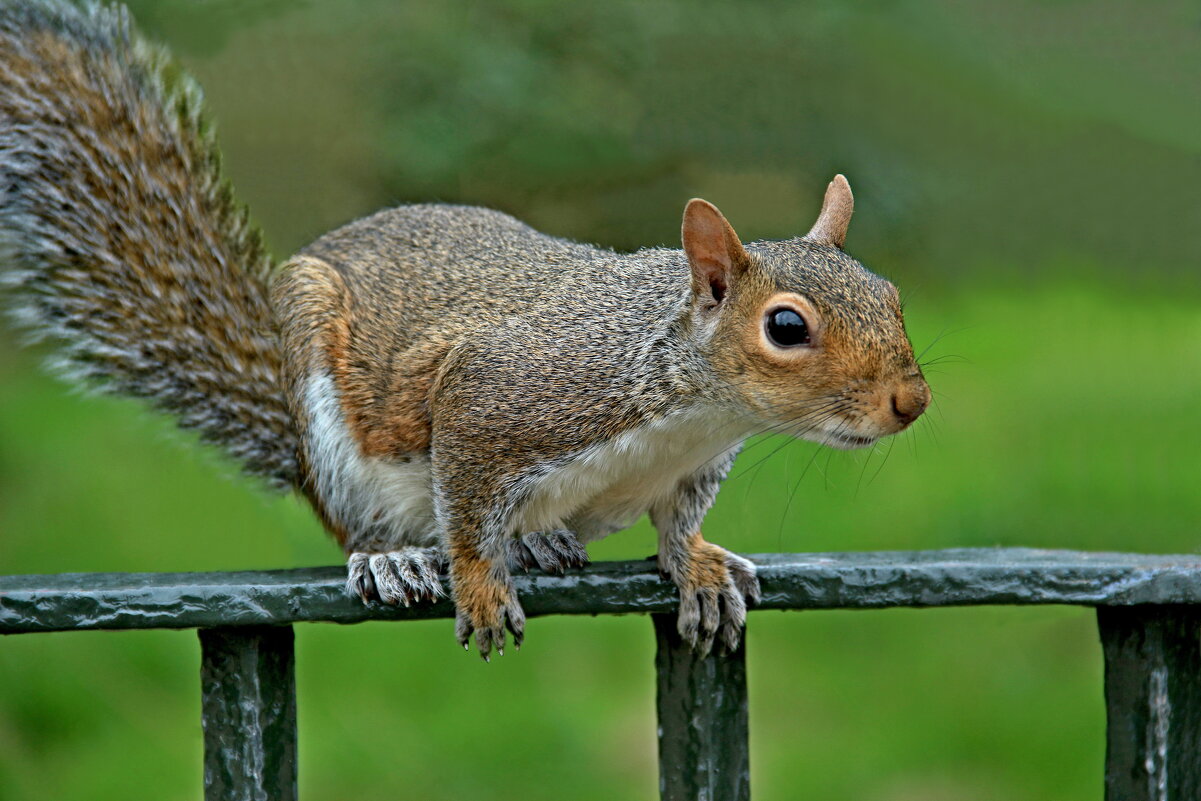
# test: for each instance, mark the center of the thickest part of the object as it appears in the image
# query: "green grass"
(1067, 420)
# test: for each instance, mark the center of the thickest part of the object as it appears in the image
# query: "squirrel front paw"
(715, 586)
(408, 575)
(486, 603)
(553, 552)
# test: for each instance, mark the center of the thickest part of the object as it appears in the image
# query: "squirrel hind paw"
(405, 576)
(553, 552)
(489, 625)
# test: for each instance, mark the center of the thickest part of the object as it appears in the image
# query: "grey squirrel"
(448, 387)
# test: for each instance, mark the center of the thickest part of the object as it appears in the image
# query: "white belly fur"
(608, 487)
(390, 503)
(604, 489)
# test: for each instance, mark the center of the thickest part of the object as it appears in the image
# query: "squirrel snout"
(909, 400)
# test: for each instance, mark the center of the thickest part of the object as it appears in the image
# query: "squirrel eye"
(786, 328)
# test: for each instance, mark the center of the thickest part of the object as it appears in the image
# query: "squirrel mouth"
(846, 442)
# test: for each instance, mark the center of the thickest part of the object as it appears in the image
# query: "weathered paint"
(1153, 702)
(1149, 615)
(701, 702)
(789, 581)
(248, 710)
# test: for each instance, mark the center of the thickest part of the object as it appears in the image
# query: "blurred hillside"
(1028, 173)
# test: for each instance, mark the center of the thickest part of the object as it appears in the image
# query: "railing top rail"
(959, 577)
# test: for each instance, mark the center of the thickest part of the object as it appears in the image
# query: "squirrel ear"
(713, 249)
(831, 225)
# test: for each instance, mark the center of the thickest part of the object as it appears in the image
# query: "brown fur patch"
(309, 299)
(859, 358)
(705, 565)
(320, 319)
(479, 589)
(384, 395)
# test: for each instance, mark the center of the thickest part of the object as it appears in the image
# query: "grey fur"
(712, 612)
(408, 575)
(554, 552)
(121, 239)
(547, 359)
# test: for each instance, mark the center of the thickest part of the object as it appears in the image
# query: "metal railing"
(1148, 611)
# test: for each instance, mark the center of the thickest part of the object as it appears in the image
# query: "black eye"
(786, 328)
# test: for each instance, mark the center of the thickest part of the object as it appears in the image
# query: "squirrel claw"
(406, 576)
(359, 581)
(489, 627)
(552, 552)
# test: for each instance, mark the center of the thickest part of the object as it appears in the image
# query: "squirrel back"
(121, 237)
(410, 283)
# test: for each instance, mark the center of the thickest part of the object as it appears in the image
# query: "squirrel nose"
(910, 400)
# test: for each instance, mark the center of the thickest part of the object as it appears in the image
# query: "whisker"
(949, 357)
(862, 470)
(818, 405)
(832, 404)
(944, 333)
(783, 428)
(891, 443)
(829, 457)
(795, 488)
(757, 468)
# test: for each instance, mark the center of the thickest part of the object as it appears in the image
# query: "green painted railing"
(1148, 611)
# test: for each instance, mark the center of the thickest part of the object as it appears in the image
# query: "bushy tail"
(121, 238)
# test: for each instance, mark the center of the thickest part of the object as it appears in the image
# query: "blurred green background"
(1028, 173)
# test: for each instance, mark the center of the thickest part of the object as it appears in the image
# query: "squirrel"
(452, 390)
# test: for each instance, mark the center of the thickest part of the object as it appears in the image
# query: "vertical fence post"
(1153, 702)
(248, 709)
(701, 703)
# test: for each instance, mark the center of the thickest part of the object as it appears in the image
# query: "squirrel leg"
(407, 575)
(485, 600)
(715, 584)
(552, 552)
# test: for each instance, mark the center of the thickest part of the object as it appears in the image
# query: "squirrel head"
(812, 342)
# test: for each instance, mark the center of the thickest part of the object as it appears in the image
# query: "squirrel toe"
(405, 576)
(490, 632)
(553, 552)
(713, 599)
